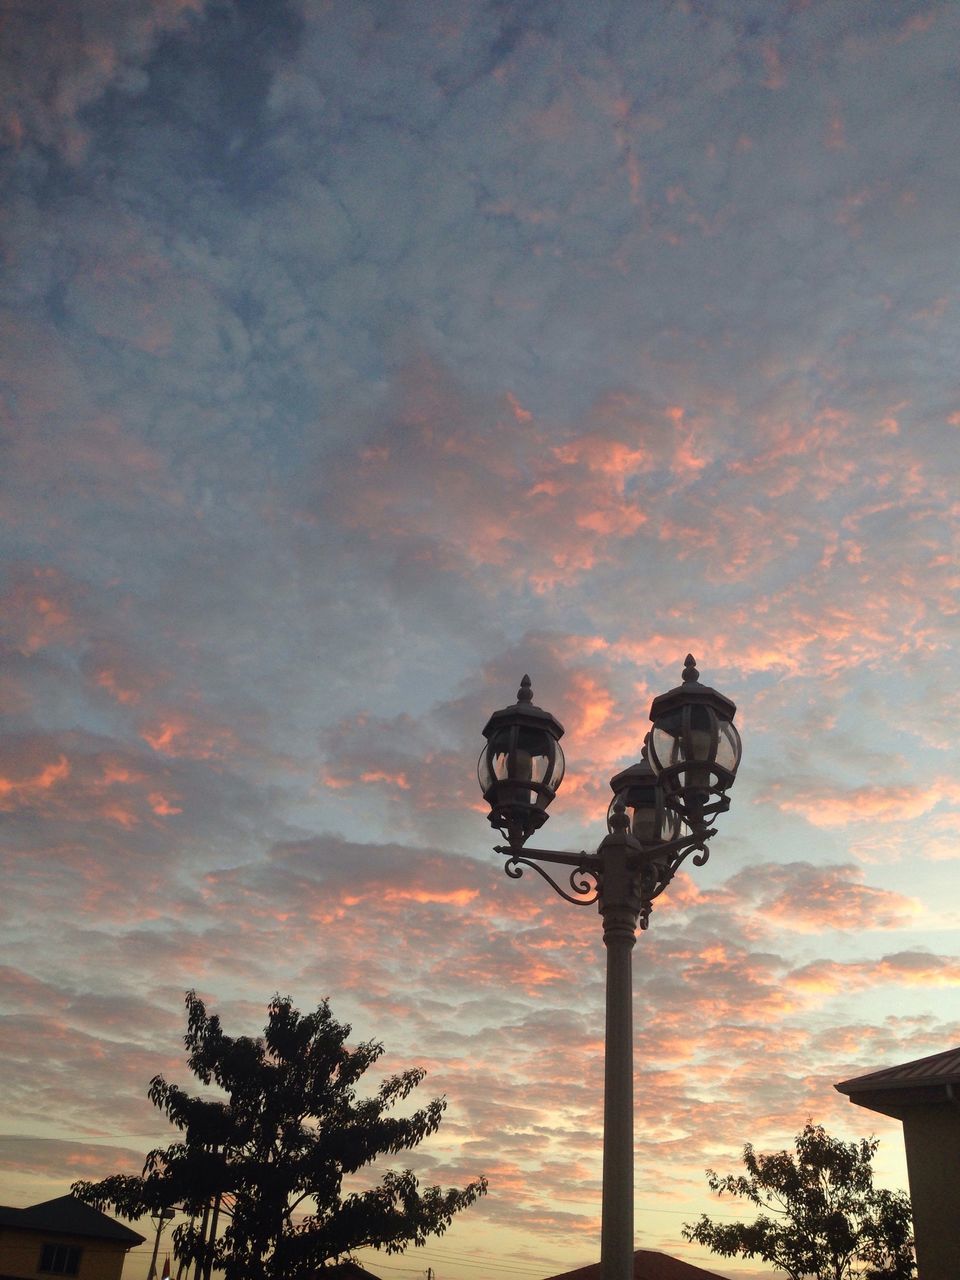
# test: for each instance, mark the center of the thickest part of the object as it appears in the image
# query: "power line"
(488, 1266)
(461, 1260)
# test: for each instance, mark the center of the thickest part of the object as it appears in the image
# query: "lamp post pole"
(657, 818)
(164, 1217)
(619, 908)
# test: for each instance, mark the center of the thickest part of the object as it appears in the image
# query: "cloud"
(68, 57)
(418, 483)
(357, 360)
(809, 898)
(49, 1157)
(907, 968)
(40, 603)
(827, 805)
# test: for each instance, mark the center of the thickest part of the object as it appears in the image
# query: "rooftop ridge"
(934, 1069)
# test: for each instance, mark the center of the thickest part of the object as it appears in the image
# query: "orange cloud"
(521, 414)
(72, 779)
(455, 897)
(825, 805)
(161, 805)
(605, 455)
(808, 898)
(594, 703)
(24, 791)
(180, 733)
(906, 968)
(39, 609)
(109, 680)
(569, 500)
(391, 779)
(117, 812)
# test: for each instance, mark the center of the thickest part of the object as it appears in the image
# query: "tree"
(821, 1215)
(278, 1145)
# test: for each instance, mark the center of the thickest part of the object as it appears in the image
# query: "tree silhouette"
(821, 1219)
(289, 1128)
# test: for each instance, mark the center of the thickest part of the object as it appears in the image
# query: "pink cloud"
(807, 898)
(906, 968)
(40, 607)
(830, 805)
(569, 501)
(20, 788)
(178, 733)
(75, 780)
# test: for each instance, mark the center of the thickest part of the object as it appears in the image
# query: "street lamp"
(161, 1219)
(658, 816)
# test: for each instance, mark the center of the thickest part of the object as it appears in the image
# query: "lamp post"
(164, 1216)
(659, 815)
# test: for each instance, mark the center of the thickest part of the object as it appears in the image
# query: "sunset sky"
(360, 356)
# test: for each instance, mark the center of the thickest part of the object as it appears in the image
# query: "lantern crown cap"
(641, 772)
(524, 711)
(690, 690)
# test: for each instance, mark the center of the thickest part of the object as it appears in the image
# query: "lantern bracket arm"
(584, 880)
(683, 846)
(584, 860)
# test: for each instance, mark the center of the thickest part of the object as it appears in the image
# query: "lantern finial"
(690, 671)
(525, 692)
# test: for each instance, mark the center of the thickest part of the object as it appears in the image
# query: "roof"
(922, 1082)
(938, 1068)
(648, 1264)
(345, 1271)
(66, 1215)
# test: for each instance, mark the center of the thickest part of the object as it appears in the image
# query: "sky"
(360, 358)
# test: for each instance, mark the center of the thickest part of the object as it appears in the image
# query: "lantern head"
(521, 766)
(638, 789)
(694, 747)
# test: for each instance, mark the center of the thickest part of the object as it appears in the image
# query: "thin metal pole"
(152, 1273)
(208, 1264)
(619, 907)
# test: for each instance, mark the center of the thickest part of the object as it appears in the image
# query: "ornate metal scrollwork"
(583, 881)
(653, 877)
(651, 872)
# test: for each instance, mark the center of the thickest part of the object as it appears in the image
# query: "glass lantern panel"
(649, 823)
(556, 774)
(670, 825)
(665, 747)
(495, 760)
(728, 748)
(531, 757)
(644, 826)
(697, 776)
(641, 800)
(700, 734)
